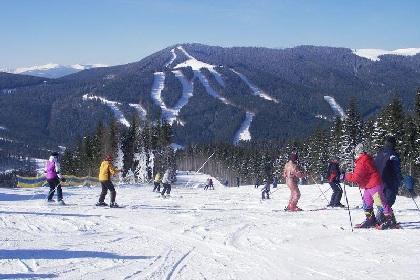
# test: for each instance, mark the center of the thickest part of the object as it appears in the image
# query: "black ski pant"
(206, 187)
(337, 193)
(166, 188)
(55, 184)
(390, 195)
(157, 187)
(266, 193)
(107, 185)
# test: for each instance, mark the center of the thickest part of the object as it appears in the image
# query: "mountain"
(52, 70)
(210, 93)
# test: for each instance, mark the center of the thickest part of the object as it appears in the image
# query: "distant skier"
(237, 182)
(266, 190)
(211, 186)
(333, 176)
(157, 182)
(368, 178)
(387, 162)
(166, 181)
(409, 185)
(274, 182)
(292, 173)
(206, 187)
(257, 182)
(52, 170)
(106, 171)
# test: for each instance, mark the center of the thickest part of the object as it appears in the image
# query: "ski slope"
(255, 90)
(140, 110)
(374, 54)
(113, 105)
(335, 106)
(223, 234)
(243, 133)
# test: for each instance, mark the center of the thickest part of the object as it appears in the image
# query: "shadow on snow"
(48, 214)
(27, 276)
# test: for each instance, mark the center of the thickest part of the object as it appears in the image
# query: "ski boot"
(61, 202)
(114, 205)
(389, 223)
(340, 205)
(101, 204)
(370, 220)
(51, 201)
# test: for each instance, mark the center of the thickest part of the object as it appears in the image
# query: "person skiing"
(237, 181)
(166, 184)
(333, 176)
(274, 182)
(409, 185)
(292, 173)
(266, 190)
(368, 178)
(211, 186)
(206, 187)
(387, 161)
(52, 170)
(157, 182)
(106, 171)
(257, 182)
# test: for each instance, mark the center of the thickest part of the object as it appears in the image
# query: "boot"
(114, 205)
(101, 204)
(389, 223)
(370, 220)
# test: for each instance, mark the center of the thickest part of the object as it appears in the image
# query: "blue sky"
(121, 31)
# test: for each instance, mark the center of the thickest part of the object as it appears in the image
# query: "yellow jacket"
(157, 177)
(106, 171)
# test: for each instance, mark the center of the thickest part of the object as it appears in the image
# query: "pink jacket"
(291, 173)
(52, 168)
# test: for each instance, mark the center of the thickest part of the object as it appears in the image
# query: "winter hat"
(359, 149)
(108, 158)
(54, 154)
(293, 157)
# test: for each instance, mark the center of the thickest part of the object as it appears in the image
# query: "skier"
(105, 172)
(409, 185)
(206, 187)
(257, 182)
(333, 176)
(292, 173)
(266, 190)
(166, 184)
(274, 182)
(368, 178)
(52, 170)
(211, 186)
(237, 182)
(156, 182)
(387, 162)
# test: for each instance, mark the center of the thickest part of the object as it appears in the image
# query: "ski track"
(142, 112)
(255, 90)
(227, 233)
(335, 106)
(111, 104)
(167, 64)
(243, 133)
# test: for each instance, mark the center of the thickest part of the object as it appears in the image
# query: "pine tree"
(351, 135)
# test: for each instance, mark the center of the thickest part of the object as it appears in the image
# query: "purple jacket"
(52, 169)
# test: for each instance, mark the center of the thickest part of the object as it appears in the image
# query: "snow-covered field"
(227, 233)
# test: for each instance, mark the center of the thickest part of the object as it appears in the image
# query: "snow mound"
(374, 54)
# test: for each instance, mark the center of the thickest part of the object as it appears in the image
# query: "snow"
(2, 128)
(335, 106)
(373, 54)
(243, 133)
(112, 104)
(142, 112)
(227, 233)
(196, 65)
(176, 146)
(50, 66)
(209, 88)
(173, 57)
(255, 90)
(170, 114)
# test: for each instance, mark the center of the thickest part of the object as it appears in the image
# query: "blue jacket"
(387, 162)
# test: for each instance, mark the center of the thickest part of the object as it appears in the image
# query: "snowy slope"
(373, 54)
(255, 90)
(113, 105)
(142, 112)
(223, 234)
(335, 106)
(243, 133)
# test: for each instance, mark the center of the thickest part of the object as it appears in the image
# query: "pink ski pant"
(376, 196)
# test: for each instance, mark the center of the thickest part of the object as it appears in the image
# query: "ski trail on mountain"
(243, 133)
(210, 90)
(142, 112)
(255, 90)
(167, 64)
(335, 106)
(111, 104)
(187, 91)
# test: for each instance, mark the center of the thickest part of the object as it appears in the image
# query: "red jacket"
(365, 173)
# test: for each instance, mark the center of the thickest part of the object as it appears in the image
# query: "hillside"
(208, 93)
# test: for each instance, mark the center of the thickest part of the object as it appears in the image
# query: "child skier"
(368, 178)
(166, 181)
(52, 170)
(266, 190)
(105, 172)
(292, 173)
(333, 176)
(156, 182)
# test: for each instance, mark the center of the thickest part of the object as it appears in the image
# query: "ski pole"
(348, 207)
(322, 193)
(412, 197)
(198, 170)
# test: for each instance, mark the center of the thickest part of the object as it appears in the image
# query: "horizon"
(115, 32)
